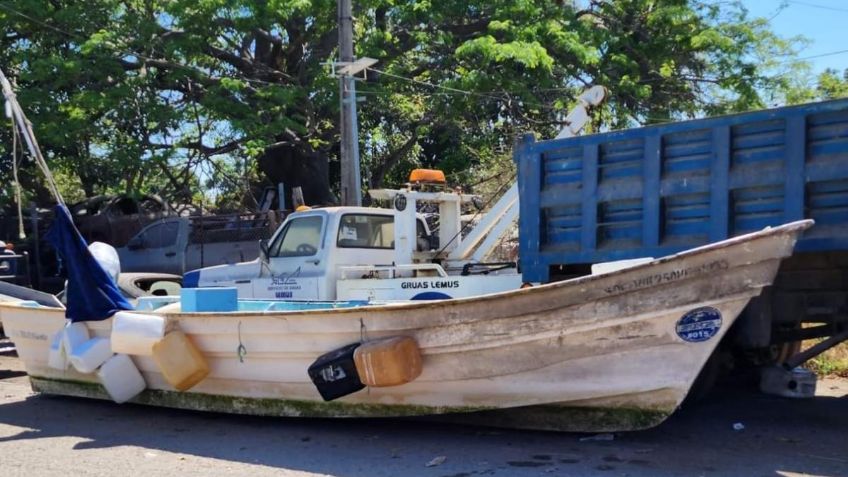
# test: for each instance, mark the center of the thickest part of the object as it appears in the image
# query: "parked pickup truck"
(176, 244)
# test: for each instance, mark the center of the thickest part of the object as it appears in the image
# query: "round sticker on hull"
(699, 324)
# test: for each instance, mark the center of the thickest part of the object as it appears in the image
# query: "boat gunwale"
(768, 232)
(765, 233)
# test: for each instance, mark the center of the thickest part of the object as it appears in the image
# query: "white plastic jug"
(121, 378)
(179, 360)
(91, 354)
(107, 257)
(134, 333)
(57, 358)
(74, 334)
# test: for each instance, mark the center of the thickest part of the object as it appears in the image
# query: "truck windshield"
(366, 231)
(300, 238)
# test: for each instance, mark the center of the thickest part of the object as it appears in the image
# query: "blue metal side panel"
(589, 219)
(719, 177)
(661, 189)
(796, 145)
(530, 170)
(651, 193)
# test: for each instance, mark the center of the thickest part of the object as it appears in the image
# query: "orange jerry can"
(179, 360)
(388, 361)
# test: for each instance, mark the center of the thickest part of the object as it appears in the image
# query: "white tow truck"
(363, 253)
(384, 254)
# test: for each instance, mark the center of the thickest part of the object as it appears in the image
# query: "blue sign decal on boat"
(699, 324)
(431, 296)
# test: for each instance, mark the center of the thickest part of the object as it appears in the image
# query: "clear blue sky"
(823, 22)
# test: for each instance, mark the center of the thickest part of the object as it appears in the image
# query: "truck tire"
(784, 351)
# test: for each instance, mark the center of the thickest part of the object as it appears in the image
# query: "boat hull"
(609, 348)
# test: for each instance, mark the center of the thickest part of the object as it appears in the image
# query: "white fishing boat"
(613, 351)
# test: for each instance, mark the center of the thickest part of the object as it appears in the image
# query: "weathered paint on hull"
(544, 417)
(238, 404)
(600, 346)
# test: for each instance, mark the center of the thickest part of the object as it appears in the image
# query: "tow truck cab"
(303, 259)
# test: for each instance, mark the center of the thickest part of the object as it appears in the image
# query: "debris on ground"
(438, 460)
(738, 426)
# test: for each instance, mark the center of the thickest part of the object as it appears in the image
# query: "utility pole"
(351, 193)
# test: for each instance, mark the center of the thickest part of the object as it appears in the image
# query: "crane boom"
(483, 238)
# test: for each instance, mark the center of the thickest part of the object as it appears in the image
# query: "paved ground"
(42, 436)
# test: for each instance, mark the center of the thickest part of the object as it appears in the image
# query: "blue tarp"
(91, 294)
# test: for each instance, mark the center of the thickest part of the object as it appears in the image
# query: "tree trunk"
(297, 168)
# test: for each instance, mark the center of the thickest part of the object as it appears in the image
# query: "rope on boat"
(16, 182)
(19, 118)
(241, 351)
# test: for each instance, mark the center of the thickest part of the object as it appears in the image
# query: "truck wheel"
(778, 353)
(785, 351)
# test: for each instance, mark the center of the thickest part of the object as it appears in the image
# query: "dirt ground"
(46, 436)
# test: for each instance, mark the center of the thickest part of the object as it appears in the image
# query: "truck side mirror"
(135, 243)
(263, 247)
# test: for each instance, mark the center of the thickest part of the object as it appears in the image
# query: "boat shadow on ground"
(780, 436)
(10, 373)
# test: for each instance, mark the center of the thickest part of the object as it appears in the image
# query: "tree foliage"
(185, 96)
(832, 84)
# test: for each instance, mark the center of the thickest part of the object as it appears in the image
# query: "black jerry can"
(334, 373)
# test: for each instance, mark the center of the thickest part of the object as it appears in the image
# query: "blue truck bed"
(661, 189)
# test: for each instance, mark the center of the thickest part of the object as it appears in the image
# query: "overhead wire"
(499, 96)
(815, 5)
(444, 90)
(436, 86)
(491, 95)
(488, 95)
(822, 55)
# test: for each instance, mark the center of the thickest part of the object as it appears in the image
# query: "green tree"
(832, 84)
(149, 95)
